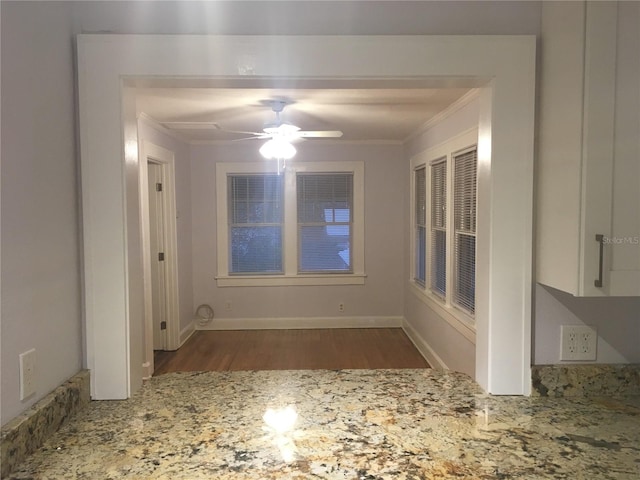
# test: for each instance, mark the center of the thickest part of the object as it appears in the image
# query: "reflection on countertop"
(348, 424)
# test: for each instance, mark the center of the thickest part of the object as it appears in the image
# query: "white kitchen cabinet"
(588, 166)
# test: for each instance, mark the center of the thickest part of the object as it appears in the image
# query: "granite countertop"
(349, 424)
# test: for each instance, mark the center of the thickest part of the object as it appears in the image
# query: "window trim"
(290, 276)
(456, 317)
(417, 225)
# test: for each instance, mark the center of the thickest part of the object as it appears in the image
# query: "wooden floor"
(333, 349)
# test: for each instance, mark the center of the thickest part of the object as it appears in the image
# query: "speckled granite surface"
(25, 433)
(353, 424)
(585, 380)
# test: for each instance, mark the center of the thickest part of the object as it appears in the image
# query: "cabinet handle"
(600, 240)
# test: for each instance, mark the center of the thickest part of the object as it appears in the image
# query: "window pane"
(439, 262)
(439, 195)
(321, 196)
(255, 223)
(464, 192)
(256, 249)
(255, 199)
(322, 251)
(438, 280)
(421, 260)
(465, 284)
(325, 206)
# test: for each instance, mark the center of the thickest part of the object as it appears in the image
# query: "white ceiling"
(377, 113)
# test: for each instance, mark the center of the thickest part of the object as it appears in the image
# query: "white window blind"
(420, 225)
(255, 223)
(438, 277)
(464, 205)
(325, 218)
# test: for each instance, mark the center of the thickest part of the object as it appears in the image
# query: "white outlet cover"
(27, 374)
(578, 343)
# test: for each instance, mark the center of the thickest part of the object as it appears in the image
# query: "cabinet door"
(559, 162)
(598, 147)
(588, 219)
(624, 245)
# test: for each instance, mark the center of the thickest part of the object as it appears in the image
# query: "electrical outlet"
(341, 307)
(27, 373)
(579, 342)
(227, 305)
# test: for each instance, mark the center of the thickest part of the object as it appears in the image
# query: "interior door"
(156, 238)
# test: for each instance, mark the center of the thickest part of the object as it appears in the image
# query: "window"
(255, 223)
(303, 226)
(464, 205)
(438, 282)
(324, 222)
(444, 243)
(420, 225)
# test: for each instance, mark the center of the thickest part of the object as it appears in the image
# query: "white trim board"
(187, 331)
(429, 354)
(301, 323)
(501, 66)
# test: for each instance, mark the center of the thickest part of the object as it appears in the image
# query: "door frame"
(150, 152)
(110, 67)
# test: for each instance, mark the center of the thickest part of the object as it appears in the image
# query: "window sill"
(454, 317)
(290, 280)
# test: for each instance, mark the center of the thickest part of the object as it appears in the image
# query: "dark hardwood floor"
(333, 349)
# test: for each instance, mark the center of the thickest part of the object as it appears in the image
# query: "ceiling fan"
(278, 130)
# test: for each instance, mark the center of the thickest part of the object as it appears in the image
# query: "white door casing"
(503, 67)
(156, 244)
(167, 298)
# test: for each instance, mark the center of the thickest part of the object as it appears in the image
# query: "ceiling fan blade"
(255, 134)
(318, 133)
(257, 137)
(205, 126)
(191, 125)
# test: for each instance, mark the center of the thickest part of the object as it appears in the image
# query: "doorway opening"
(111, 66)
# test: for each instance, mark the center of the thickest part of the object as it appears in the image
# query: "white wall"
(616, 319)
(182, 155)
(458, 118)
(381, 296)
(261, 17)
(455, 350)
(40, 235)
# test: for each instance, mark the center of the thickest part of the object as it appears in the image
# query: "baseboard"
(146, 371)
(300, 323)
(187, 331)
(29, 430)
(423, 347)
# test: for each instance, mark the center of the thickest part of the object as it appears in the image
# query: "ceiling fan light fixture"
(277, 148)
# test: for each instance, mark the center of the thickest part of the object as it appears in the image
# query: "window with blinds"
(438, 280)
(325, 218)
(420, 225)
(255, 223)
(464, 206)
